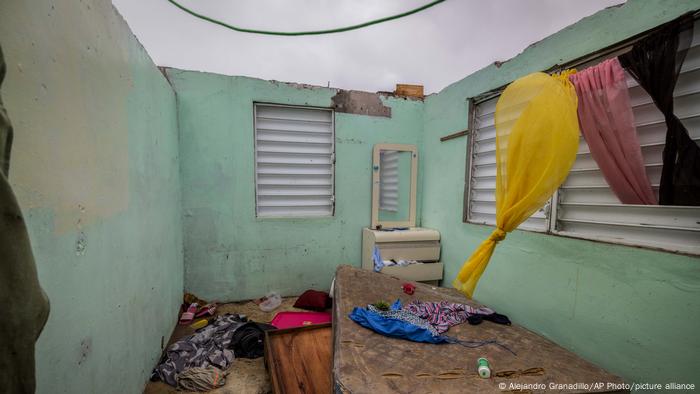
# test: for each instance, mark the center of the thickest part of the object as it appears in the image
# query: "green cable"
(304, 33)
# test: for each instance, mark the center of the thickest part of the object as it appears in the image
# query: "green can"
(483, 367)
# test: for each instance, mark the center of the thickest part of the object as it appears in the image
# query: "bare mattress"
(366, 362)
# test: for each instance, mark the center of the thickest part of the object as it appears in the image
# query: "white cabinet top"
(411, 234)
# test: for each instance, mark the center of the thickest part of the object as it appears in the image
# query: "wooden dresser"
(416, 243)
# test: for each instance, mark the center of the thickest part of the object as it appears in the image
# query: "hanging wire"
(304, 33)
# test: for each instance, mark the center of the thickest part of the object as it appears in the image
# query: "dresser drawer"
(415, 250)
(416, 272)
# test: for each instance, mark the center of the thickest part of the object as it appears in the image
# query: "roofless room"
(351, 196)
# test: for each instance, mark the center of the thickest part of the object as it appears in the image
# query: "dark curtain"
(655, 62)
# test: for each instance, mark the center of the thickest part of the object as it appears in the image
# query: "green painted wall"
(635, 312)
(108, 185)
(229, 253)
(95, 169)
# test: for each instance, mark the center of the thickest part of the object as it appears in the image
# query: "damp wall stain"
(95, 169)
(229, 253)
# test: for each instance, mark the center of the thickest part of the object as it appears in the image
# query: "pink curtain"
(607, 123)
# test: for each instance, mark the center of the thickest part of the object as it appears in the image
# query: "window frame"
(473, 103)
(255, 162)
(552, 206)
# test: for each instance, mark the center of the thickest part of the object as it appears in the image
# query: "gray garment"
(209, 346)
(25, 306)
(201, 379)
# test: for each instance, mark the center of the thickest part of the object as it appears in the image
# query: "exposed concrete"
(360, 103)
(229, 253)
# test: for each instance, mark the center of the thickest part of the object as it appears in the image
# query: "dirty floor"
(246, 376)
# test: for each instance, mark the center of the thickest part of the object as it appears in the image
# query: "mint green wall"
(635, 312)
(95, 169)
(229, 253)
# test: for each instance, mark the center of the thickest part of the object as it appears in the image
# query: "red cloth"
(607, 123)
(313, 300)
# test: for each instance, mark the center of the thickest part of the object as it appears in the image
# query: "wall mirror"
(394, 178)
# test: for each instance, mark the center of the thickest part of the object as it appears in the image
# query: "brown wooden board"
(366, 362)
(403, 89)
(299, 359)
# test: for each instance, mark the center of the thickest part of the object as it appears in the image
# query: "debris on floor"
(243, 375)
(230, 336)
(270, 302)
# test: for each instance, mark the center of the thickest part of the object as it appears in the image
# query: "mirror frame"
(411, 222)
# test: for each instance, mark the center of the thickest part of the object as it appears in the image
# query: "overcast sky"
(434, 48)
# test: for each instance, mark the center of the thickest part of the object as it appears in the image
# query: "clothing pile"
(426, 321)
(379, 263)
(443, 315)
(214, 346)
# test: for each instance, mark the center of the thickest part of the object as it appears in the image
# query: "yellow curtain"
(536, 142)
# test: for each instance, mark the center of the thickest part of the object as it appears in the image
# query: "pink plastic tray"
(299, 319)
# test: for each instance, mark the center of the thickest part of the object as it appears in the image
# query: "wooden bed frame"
(299, 359)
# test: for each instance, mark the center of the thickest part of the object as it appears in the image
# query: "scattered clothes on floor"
(201, 379)
(299, 319)
(443, 315)
(314, 300)
(248, 340)
(398, 322)
(216, 345)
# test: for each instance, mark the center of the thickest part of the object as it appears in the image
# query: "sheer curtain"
(536, 141)
(607, 123)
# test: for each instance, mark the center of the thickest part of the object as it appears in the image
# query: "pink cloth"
(607, 124)
(300, 319)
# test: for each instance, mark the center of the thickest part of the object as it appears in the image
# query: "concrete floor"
(246, 376)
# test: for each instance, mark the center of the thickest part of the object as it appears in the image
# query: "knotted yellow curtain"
(537, 137)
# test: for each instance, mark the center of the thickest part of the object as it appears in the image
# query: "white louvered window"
(481, 204)
(389, 181)
(585, 206)
(294, 161)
